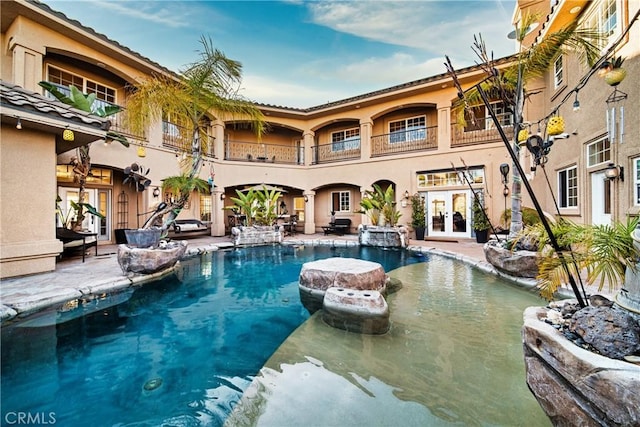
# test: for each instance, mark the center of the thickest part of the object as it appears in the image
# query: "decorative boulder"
(384, 237)
(318, 276)
(256, 235)
(520, 263)
(150, 260)
(361, 311)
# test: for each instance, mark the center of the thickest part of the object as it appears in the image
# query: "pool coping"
(20, 300)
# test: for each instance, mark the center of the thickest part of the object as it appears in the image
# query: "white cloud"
(435, 27)
(148, 11)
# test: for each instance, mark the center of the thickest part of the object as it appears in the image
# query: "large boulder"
(518, 263)
(349, 273)
(575, 386)
(150, 260)
(356, 311)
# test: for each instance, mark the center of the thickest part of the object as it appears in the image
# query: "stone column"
(308, 138)
(309, 212)
(365, 138)
(444, 127)
(218, 214)
(364, 219)
(217, 127)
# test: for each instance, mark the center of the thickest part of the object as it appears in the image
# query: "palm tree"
(82, 162)
(509, 84)
(207, 86)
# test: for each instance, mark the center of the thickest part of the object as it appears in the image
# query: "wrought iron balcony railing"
(404, 141)
(336, 151)
(178, 138)
(264, 152)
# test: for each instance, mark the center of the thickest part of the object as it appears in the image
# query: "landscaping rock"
(356, 310)
(147, 260)
(514, 263)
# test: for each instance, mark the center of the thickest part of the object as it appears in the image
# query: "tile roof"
(19, 98)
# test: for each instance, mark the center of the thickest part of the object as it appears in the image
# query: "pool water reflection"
(204, 334)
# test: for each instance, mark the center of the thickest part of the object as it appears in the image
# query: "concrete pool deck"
(101, 274)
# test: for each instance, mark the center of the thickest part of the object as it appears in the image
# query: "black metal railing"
(484, 131)
(178, 138)
(336, 152)
(264, 152)
(404, 141)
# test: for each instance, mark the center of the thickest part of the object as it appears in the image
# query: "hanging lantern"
(555, 126)
(142, 152)
(68, 135)
(523, 135)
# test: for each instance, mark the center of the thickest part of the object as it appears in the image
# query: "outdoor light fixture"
(505, 193)
(19, 124)
(539, 148)
(222, 196)
(614, 171)
(576, 103)
(403, 203)
(504, 170)
(156, 192)
(306, 198)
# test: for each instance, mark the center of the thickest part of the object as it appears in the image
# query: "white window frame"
(636, 181)
(408, 130)
(484, 120)
(604, 16)
(344, 201)
(346, 139)
(598, 152)
(568, 188)
(105, 95)
(558, 72)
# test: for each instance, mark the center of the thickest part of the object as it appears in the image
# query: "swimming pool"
(180, 351)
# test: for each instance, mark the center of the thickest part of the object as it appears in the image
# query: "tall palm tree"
(207, 86)
(509, 84)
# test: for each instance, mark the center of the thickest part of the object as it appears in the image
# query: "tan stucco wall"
(28, 242)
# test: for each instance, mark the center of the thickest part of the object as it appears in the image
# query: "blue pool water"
(180, 351)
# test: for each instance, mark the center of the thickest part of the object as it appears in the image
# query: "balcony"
(405, 141)
(263, 152)
(483, 132)
(337, 151)
(178, 138)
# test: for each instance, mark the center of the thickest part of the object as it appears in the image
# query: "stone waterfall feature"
(385, 237)
(152, 259)
(348, 291)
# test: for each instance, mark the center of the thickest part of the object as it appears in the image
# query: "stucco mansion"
(324, 157)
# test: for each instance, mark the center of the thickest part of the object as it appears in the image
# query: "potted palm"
(481, 223)
(418, 216)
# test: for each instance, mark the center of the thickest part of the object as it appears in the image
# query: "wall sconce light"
(306, 198)
(405, 199)
(504, 171)
(222, 196)
(19, 124)
(156, 193)
(406, 194)
(614, 171)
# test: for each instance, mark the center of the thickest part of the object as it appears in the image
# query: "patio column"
(217, 212)
(364, 218)
(308, 138)
(217, 127)
(309, 212)
(444, 127)
(365, 138)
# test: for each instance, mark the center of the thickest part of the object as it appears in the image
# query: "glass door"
(91, 223)
(600, 199)
(448, 213)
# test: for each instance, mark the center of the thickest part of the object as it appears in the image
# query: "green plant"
(418, 218)
(480, 220)
(260, 206)
(69, 219)
(377, 203)
(604, 252)
(529, 217)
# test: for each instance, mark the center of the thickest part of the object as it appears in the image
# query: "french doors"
(449, 213)
(99, 199)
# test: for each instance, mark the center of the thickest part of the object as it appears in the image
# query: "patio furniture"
(73, 241)
(189, 227)
(341, 226)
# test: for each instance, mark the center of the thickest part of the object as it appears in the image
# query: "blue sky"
(306, 53)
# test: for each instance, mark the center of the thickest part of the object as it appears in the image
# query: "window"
(483, 119)
(598, 152)
(348, 139)
(205, 207)
(341, 201)
(64, 173)
(557, 73)
(636, 180)
(568, 187)
(63, 79)
(604, 17)
(407, 130)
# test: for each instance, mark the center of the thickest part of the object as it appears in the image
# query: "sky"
(302, 54)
